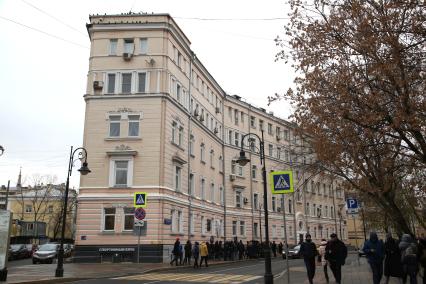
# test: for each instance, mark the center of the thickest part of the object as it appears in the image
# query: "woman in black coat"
(393, 266)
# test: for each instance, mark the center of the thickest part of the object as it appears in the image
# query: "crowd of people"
(199, 253)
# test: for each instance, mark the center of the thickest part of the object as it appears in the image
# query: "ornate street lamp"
(84, 170)
(242, 161)
(1, 150)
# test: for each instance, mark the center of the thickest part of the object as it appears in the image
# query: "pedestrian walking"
(280, 249)
(204, 252)
(336, 253)
(187, 249)
(409, 260)
(309, 251)
(240, 248)
(323, 261)
(393, 265)
(196, 254)
(374, 250)
(274, 248)
(180, 254)
(175, 252)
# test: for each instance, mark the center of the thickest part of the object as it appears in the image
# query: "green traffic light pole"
(84, 170)
(242, 161)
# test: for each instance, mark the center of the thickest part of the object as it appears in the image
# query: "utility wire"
(43, 32)
(53, 17)
(232, 19)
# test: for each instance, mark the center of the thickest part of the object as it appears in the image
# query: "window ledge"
(177, 234)
(192, 155)
(129, 138)
(177, 145)
(127, 232)
(107, 233)
(120, 186)
(203, 162)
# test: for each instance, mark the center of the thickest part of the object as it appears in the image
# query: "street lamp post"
(84, 170)
(242, 161)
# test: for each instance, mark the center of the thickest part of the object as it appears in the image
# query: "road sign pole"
(139, 240)
(286, 241)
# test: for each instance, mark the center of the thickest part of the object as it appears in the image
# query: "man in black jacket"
(336, 253)
(308, 250)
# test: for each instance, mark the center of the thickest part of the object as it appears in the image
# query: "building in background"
(158, 122)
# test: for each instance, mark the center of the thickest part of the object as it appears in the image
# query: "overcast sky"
(44, 51)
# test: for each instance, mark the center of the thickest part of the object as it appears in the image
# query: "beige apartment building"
(157, 121)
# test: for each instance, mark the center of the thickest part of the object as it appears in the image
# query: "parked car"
(18, 251)
(293, 252)
(46, 253)
(31, 248)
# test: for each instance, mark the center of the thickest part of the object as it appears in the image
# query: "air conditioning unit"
(98, 85)
(278, 137)
(127, 56)
(217, 110)
(245, 200)
(216, 131)
(232, 177)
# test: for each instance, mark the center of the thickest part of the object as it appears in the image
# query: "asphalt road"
(249, 272)
(19, 262)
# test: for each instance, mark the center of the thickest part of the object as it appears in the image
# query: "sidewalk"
(352, 273)
(45, 273)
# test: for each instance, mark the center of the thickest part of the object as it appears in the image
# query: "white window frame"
(242, 226)
(112, 49)
(234, 228)
(114, 91)
(123, 221)
(129, 170)
(133, 120)
(212, 192)
(145, 83)
(203, 152)
(191, 187)
(122, 80)
(203, 188)
(177, 180)
(222, 195)
(109, 214)
(253, 171)
(238, 199)
(143, 45)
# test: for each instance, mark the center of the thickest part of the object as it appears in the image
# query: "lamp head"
(242, 159)
(84, 170)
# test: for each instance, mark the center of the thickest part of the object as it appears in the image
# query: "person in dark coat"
(336, 253)
(240, 247)
(409, 258)
(176, 252)
(188, 249)
(422, 256)
(280, 248)
(309, 251)
(274, 248)
(375, 252)
(196, 253)
(393, 266)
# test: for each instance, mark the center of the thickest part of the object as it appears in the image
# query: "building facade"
(157, 121)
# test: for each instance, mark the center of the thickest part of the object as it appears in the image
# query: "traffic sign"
(352, 205)
(281, 182)
(140, 199)
(139, 223)
(140, 213)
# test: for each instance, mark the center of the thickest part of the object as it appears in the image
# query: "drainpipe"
(189, 142)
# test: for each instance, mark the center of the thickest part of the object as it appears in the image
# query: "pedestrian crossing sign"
(140, 199)
(281, 182)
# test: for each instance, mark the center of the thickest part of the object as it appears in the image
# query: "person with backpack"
(188, 249)
(309, 251)
(322, 259)
(374, 250)
(393, 265)
(175, 252)
(336, 253)
(196, 253)
(408, 248)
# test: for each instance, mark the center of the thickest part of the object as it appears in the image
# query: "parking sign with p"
(352, 205)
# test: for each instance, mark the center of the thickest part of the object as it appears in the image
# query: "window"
(319, 213)
(312, 186)
(114, 125)
(191, 223)
(30, 226)
(255, 229)
(230, 113)
(278, 131)
(191, 185)
(177, 133)
(113, 46)
(203, 225)
(256, 201)
(253, 171)
(236, 117)
(129, 213)
(142, 82)
(260, 124)
(242, 228)
(222, 195)
(270, 129)
(314, 209)
(252, 122)
(230, 136)
(109, 219)
(234, 228)
(212, 192)
(133, 125)
(242, 117)
(278, 153)
(220, 164)
(28, 209)
(252, 145)
(129, 46)
(212, 158)
(178, 174)
(209, 225)
(178, 93)
(120, 173)
(326, 211)
(287, 157)
(143, 45)
(238, 199)
(203, 189)
(177, 221)
(290, 231)
(271, 150)
(331, 212)
(191, 145)
(274, 231)
(203, 153)
(126, 83)
(274, 205)
(237, 139)
(324, 189)
(111, 84)
(286, 136)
